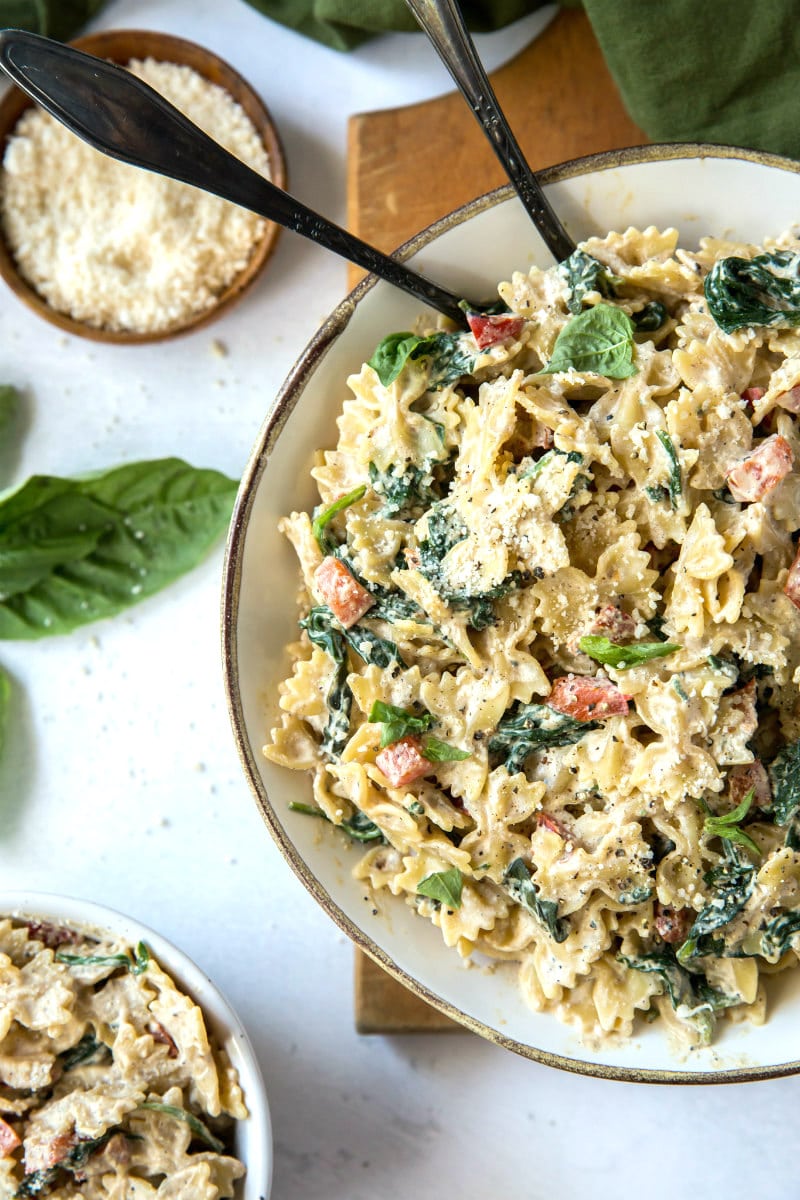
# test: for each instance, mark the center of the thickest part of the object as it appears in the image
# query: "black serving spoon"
(123, 117)
(444, 24)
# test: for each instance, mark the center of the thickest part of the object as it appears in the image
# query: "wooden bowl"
(121, 46)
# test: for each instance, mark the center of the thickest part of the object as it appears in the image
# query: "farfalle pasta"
(549, 656)
(110, 1085)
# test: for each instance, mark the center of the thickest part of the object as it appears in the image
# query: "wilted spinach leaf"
(732, 885)
(764, 290)
(584, 274)
(447, 353)
(784, 774)
(520, 886)
(524, 728)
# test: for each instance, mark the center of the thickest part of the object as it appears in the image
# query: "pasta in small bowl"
(542, 683)
(123, 1070)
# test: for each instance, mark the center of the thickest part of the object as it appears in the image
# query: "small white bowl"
(252, 1141)
(702, 191)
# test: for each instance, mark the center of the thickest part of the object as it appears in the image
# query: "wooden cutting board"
(410, 166)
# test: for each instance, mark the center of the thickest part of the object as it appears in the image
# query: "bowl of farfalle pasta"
(512, 620)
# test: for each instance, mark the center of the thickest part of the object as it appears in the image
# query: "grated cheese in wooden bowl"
(116, 247)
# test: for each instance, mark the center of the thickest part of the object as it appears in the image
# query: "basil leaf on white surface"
(77, 550)
(598, 341)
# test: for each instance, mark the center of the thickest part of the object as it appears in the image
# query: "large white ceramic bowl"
(698, 189)
(252, 1139)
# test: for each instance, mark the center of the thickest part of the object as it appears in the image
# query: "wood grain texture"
(409, 166)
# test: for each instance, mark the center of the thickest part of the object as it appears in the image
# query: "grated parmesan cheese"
(118, 247)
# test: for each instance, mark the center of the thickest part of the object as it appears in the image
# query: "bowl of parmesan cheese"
(114, 253)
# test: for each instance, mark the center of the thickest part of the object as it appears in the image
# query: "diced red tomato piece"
(39, 1155)
(750, 777)
(9, 1139)
(548, 821)
(762, 470)
(790, 400)
(344, 595)
(611, 622)
(752, 394)
(403, 762)
(586, 698)
(489, 331)
(792, 585)
(673, 924)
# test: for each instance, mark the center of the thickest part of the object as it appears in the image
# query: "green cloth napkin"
(688, 70)
(725, 71)
(60, 19)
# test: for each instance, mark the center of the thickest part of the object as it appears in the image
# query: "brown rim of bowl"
(288, 397)
(120, 46)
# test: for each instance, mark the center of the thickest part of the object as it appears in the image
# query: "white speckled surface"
(121, 784)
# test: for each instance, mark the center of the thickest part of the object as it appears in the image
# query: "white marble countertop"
(120, 782)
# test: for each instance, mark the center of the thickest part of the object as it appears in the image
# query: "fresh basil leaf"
(611, 655)
(674, 481)
(764, 290)
(77, 550)
(598, 341)
(444, 886)
(198, 1128)
(436, 751)
(323, 515)
(726, 826)
(524, 728)
(521, 888)
(136, 965)
(397, 723)
(391, 355)
(784, 774)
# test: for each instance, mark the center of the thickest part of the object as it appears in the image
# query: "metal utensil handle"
(123, 117)
(443, 22)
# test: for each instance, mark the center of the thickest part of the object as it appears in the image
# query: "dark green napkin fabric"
(61, 19)
(706, 70)
(344, 24)
(725, 71)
